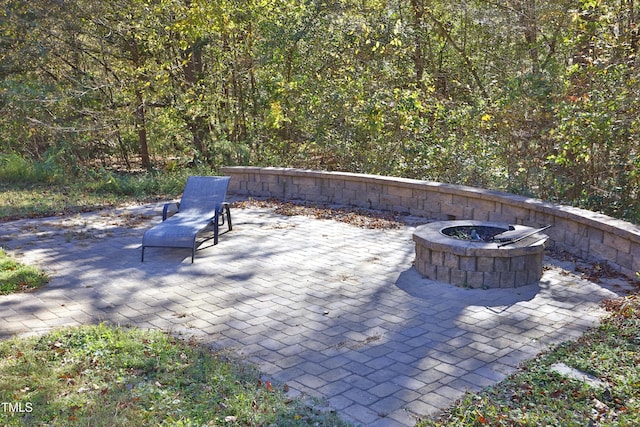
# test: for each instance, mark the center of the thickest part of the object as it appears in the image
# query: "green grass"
(538, 396)
(17, 277)
(19, 201)
(30, 189)
(114, 376)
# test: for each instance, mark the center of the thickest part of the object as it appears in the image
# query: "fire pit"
(480, 254)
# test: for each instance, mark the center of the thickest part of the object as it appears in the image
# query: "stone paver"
(336, 312)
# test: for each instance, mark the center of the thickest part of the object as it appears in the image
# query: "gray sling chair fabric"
(202, 206)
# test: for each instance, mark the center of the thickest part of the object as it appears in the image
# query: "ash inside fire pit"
(479, 233)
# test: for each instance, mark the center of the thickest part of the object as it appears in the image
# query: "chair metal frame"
(181, 230)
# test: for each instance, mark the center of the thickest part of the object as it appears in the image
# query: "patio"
(332, 310)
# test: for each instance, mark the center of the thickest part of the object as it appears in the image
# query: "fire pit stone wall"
(477, 264)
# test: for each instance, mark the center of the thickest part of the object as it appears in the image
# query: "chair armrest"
(165, 209)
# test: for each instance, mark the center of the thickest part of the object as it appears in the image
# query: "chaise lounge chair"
(202, 206)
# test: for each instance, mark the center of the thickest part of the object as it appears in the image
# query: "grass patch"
(89, 191)
(112, 376)
(537, 395)
(17, 277)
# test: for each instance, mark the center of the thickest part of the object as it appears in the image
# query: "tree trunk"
(418, 59)
(140, 111)
(141, 126)
(529, 21)
(193, 73)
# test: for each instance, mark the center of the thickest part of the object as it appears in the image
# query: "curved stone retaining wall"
(583, 233)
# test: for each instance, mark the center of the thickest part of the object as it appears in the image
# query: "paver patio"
(332, 310)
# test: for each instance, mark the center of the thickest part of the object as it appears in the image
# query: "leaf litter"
(358, 217)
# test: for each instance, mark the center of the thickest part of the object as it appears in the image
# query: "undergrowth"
(31, 189)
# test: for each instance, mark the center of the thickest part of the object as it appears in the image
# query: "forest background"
(532, 97)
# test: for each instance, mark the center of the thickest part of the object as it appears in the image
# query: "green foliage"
(149, 184)
(596, 144)
(36, 189)
(538, 98)
(22, 170)
(14, 168)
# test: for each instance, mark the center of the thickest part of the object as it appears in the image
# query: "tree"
(528, 96)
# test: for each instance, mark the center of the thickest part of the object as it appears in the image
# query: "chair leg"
(142, 259)
(216, 228)
(228, 212)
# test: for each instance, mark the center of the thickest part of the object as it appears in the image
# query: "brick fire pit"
(463, 253)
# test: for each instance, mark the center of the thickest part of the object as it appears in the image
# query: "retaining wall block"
(603, 251)
(516, 212)
(429, 271)
(372, 200)
(453, 210)
(480, 215)
(468, 263)
(409, 204)
(437, 258)
(491, 279)
(461, 200)
(508, 279)
(518, 263)
(635, 249)
(545, 218)
(443, 274)
(475, 279)
(389, 200)
(467, 212)
(483, 205)
(451, 260)
(596, 237)
(485, 263)
(459, 278)
(438, 197)
(403, 192)
(358, 186)
(502, 264)
(500, 217)
(522, 278)
(348, 196)
(620, 243)
(328, 191)
(268, 178)
(624, 260)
